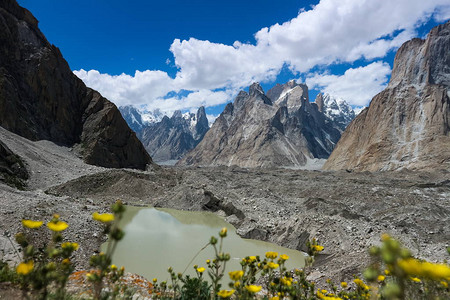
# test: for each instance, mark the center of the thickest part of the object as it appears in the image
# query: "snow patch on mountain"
(151, 116)
(338, 110)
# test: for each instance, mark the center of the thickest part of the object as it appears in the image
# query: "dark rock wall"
(40, 97)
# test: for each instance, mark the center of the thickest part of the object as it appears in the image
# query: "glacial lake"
(156, 239)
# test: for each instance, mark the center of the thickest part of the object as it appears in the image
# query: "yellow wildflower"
(237, 284)
(272, 265)
(236, 275)
(344, 284)
(381, 278)
(252, 258)
(254, 288)
(67, 245)
(271, 255)
(274, 298)
(317, 248)
(113, 267)
(387, 272)
(415, 279)
(155, 280)
(201, 270)
(25, 268)
(208, 261)
(66, 261)
(225, 293)
(284, 257)
(444, 284)
(320, 295)
(323, 297)
(57, 226)
(425, 269)
(104, 218)
(360, 283)
(32, 224)
(286, 281)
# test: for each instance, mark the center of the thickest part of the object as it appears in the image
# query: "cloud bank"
(332, 32)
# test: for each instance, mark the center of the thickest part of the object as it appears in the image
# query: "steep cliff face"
(408, 124)
(172, 138)
(279, 129)
(40, 97)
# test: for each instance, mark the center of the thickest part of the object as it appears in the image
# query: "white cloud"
(442, 13)
(331, 32)
(124, 89)
(357, 86)
(192, 101)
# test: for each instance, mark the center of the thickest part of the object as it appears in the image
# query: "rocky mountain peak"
(171, 138)
(293, 98)
(255, 89)
(319, 102)
(249, 133)
(133, 117)
(408, 124)
(202, 124)
(426, 61)
(256, 92)
(177, 114)
(335, 108)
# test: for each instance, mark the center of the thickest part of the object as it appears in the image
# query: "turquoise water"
(156, 239)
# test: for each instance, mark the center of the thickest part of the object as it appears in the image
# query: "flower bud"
(223, 232)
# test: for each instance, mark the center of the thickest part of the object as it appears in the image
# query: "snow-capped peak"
(338, 110)
(151, 116)
(191, 117)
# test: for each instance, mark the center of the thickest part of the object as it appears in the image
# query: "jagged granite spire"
(408, 124)
(171, 138)
(256, 92)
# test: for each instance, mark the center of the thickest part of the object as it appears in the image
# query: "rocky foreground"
(347, 212)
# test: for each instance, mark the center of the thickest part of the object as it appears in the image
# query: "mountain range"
(172, 138)
(279, 129)
(406, 125)
(167, 139)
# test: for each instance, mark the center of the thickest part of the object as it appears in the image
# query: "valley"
(326, 177)
(346, 211)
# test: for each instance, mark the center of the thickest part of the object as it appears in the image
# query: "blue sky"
(183, 54)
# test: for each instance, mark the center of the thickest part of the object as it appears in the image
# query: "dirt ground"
(346, 212)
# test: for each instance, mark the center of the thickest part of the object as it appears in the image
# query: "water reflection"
(158, 238)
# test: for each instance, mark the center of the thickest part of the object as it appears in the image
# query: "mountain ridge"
(280, 128)
(170, 138)
(408, 124)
